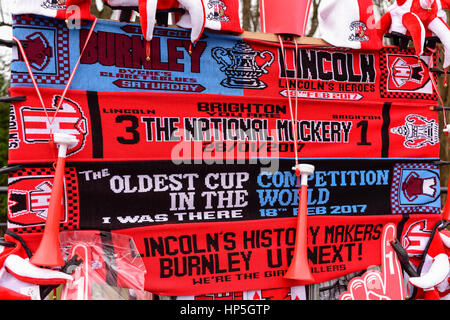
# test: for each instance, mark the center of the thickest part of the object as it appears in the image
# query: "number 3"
(131, 129)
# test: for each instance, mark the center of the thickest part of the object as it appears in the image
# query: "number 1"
(363, 124)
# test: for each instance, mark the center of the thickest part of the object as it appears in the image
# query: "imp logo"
(358, 29)
(217, 10)
(418, 131)
(54, 4)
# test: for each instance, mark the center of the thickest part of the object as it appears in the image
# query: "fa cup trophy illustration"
(240, 66)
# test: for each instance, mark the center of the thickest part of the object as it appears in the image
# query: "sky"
(5, 31)
(5, 16)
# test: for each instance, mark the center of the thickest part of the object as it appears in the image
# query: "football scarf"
(115, 59)
(201, 224)
(226, 102)
(207, 258)
(117, 195)
(212, 128)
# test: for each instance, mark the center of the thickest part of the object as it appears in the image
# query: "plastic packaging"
(107, 267)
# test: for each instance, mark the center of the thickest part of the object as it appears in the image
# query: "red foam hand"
(375, 285)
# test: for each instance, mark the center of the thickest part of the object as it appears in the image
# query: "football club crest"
(415, 188)
(38, 51)
(29, 193)
(217, 11)
(47, 50)
(416, 238)
(402, 73)
(28, 200)
(54, 4)
(406, 73)
(404, 76)
(358, 30)
(69, 119)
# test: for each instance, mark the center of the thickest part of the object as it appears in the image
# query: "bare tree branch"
(314, 13)
(246, 15)
(250, 15)
(255, 16)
